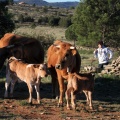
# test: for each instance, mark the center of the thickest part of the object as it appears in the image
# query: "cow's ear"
(36, 65)
(74, 52)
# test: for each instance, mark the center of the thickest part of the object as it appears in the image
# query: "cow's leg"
(12, 87)
(7, 83)
(87, 97)
(73, 100)
(55, 87)
(68, 98)
(37, 92)
(30, 92)
(90, 99)
(61, 88)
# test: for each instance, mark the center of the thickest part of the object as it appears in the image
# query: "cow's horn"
(72, 47)
(58, 46)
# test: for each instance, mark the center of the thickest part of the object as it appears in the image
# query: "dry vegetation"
(38, 11)
(54, 32)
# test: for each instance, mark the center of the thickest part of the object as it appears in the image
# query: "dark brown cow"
(28, 49)
(62, 58)
(79, 83)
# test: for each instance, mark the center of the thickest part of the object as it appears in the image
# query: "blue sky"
(62, 0)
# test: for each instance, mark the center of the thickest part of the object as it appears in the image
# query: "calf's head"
(42, 69)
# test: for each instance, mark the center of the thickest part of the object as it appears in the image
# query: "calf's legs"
(38, 93)
(88, 95)
(7, 83)
(30, 92)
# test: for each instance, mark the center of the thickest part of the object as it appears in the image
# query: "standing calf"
(29, 73)
(79, 83)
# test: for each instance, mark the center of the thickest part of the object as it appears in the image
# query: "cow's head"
(66, 55)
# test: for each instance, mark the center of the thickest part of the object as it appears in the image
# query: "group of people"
(103, 54)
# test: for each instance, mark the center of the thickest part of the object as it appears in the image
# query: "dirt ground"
(106, 102)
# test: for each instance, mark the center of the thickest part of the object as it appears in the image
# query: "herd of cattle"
(26, 63)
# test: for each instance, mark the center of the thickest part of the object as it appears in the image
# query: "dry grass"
(56, 32)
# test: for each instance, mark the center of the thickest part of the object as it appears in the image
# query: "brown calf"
(79, 83)
(29, 73)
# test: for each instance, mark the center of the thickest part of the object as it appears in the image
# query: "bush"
(28, 19)
(65, 22)
(53, 21)
(43, 20)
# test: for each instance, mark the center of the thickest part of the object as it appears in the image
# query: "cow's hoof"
(68, 108)
(74, 107)
(57, 98)
(5, 95)
(91, 107)
(39, 102)
(60, 104)
(30, 103)
(11, 95)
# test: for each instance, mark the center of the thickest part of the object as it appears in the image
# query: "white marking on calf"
(29, 65)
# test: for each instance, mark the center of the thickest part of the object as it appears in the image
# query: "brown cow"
(79, 83)
(29, 73)
(62, 58)
(28, 49)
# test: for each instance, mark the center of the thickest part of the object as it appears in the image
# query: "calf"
(31, 74)
(79, 83)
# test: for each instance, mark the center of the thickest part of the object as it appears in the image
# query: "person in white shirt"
(104, 54)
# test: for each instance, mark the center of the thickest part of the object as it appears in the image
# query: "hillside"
(55, 4)
(38, 11)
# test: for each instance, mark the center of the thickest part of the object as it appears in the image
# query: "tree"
(97, 19)
(65, 22)
(6, 23)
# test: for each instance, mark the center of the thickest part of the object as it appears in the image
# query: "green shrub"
(53, 21)
(65, 22)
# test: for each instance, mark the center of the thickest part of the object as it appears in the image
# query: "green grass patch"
(23, 103)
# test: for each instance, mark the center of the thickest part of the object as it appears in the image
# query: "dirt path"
(106, 102)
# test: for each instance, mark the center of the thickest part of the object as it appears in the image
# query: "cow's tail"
(80, 77)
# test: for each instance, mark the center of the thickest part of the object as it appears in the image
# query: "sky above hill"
(62, 0)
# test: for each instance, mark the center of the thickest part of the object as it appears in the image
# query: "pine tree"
(6, 23)
(97, 20)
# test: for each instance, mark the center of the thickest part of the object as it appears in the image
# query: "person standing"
(104, 54)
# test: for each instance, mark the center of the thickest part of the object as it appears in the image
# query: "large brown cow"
(28, 49)
(62, 58)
